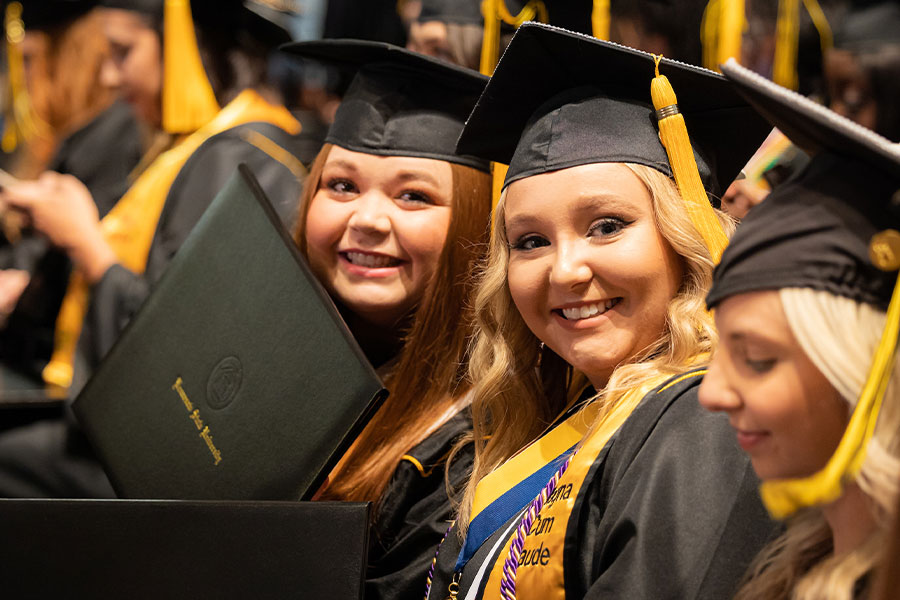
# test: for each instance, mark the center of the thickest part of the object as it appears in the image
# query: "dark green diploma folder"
(138, 549)
(237, 379)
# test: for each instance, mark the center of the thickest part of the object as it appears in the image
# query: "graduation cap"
(467, 12)
(45, 14)
(399, 103)
(188, 100)
(870, 27)
(559, 99)
(833, 228)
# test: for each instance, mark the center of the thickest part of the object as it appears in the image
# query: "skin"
(849, 89)
(392, 209)
(135, 64)
(430, 38)
(584, 235)
(786, 414)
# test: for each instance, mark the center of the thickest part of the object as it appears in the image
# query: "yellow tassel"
(826, 38)
(600, 19)
(22, 123)
(188, 101)
(495, 12)
(674, 137)
(709, 34)
(785, 497)
(732, 22)
(787, 36)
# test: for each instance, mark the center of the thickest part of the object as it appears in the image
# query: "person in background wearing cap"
(862, 70)
(213, 100)
(393, 222)
(63, 119)
(450, 30)
(597, 473)
(808, 307)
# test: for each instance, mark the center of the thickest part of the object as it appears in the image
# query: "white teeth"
(589, 310)
(369, 260)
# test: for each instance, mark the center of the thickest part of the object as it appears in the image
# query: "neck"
(850, 519)
(379, 344)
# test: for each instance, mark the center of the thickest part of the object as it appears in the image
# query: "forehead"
(382, 165)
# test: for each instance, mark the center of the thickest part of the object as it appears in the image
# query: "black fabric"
(669, 510)
(101, 155)
(869, 27)
(559, 99)
(399, 103)
(44, 14)
(415, 512)
(815, 231)
(454, 11)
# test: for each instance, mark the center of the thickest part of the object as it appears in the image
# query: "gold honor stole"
(540, 575)
(129, 227)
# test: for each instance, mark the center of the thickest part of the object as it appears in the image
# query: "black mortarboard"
(869, 27)
(256, 17)
(451, 11)
(817, 230)
(44, 14)
(399, 102)
(833, 228)
(560, 99)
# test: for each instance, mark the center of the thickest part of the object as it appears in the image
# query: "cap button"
(884, 249)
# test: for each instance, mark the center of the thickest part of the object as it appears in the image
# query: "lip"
(584, 323)
(364, 271)
(749, 440)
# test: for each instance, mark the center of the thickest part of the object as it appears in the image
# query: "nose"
(570, 267)
(371, 214)
(110, 76)
(715, 394)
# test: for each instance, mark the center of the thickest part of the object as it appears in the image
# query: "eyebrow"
(584, 204)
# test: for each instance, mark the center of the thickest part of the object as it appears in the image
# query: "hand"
(12, 283)
(61, 208)
(741, 196)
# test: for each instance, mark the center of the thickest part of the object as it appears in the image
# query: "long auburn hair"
(520, 387)
(64, 85)
(428, 377)
(839, 335)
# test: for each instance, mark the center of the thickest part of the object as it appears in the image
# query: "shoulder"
(429, 456)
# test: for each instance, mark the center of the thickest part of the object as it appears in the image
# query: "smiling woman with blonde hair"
(592, 333)
(809, 310)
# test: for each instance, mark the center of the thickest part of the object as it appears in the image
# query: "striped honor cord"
(511, 565)
(430, 577)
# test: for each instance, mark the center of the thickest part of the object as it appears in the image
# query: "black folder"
(139, 549)
(237, 379)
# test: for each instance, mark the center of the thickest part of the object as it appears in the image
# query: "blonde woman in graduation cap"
(807, 307)
(597, 473)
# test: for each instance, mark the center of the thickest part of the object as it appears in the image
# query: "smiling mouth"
(371, 261)
(586, 311)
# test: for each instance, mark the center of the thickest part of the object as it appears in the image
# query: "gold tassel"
(709, 34)
(826, 37)
(787, 36)
(732, 22)
(600, 19)
(674, 137)
(22, 123)
(495, 12)
(785, 497)
(188, 101)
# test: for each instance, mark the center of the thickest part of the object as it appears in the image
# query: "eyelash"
(760, 366)
(522, 242)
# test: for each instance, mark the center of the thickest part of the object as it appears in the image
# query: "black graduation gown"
(669, 509)
(415, 512)
(101, 155)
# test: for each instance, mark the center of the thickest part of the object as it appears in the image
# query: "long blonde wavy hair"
(839, 336)
(519, 388)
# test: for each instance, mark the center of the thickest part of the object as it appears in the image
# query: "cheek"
(524, 283)
(423, 236)
(325, 224)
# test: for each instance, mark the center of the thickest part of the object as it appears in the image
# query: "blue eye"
(529, 242)
(607, 226)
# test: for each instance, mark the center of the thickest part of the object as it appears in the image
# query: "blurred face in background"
(135, 64)
(849, 89)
